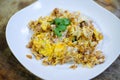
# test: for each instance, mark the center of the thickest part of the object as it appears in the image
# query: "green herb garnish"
(61, 25)
(57, 32)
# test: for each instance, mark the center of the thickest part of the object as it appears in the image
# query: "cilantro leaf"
(66, 21)
(58, 21)
(61, 25)
(57, 32)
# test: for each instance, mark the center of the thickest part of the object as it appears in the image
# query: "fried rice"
(54, 42)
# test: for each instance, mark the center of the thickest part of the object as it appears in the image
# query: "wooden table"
(11, 69)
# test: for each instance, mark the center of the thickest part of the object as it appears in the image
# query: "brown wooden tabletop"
(11, 69)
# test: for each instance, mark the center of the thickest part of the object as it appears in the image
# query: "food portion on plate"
(65, 37)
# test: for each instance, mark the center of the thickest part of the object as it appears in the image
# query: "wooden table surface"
(11, 69)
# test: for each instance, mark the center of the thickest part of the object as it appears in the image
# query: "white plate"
(18, 35)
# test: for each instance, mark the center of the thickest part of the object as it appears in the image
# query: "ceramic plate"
(18, 35)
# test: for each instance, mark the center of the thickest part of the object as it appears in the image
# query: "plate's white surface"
(18, 35)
